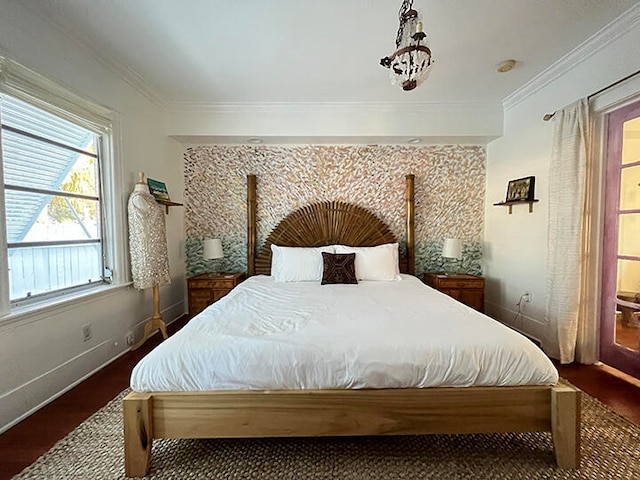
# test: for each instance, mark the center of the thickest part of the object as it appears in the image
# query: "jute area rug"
(610, 449)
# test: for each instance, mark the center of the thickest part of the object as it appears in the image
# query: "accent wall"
(449, 194)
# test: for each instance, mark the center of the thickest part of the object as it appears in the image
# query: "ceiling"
(203, 52)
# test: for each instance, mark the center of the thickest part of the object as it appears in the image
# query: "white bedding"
(303, 335)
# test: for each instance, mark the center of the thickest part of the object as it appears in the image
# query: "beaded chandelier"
(411, 63)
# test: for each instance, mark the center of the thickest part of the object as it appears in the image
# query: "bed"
(339, 395)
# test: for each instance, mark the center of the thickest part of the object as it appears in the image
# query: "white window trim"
(29, 86)
(37, 311)
(5, 304)
(114, 204)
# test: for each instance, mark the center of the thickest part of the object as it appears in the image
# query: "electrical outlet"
(86, 332)
(130, 338)
(526, 297)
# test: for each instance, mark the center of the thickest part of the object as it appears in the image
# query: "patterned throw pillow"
(339, 268)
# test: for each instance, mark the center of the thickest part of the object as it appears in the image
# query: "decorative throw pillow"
(339, 268)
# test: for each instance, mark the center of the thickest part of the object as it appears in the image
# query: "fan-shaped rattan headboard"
(325, 223)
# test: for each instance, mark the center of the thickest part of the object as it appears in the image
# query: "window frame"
(39, 139)
(30, 87)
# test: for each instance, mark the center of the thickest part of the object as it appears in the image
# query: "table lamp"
(213, 249)
(451, 249)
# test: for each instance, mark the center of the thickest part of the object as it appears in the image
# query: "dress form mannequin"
(148, 249)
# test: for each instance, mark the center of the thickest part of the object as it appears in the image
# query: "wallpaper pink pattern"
(449, 193)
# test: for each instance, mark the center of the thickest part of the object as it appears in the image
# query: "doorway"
(620, 315)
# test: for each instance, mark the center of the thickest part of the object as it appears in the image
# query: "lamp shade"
(212, 249)
(452, 248)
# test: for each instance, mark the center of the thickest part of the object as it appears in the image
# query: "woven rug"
(94, 451)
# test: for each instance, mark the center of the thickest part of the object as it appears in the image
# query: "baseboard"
(31, 411)
(530, 327)
(174, 312)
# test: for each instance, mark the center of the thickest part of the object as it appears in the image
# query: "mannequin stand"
(156, 322)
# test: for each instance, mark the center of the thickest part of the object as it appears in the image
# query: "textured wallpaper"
(449, 194)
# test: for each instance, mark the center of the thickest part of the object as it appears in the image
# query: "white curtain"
(571, 324)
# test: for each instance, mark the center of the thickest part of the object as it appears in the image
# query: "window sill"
(36, 310)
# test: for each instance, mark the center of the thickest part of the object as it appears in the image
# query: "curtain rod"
(549, 116)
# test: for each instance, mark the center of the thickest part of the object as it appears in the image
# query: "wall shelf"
(168, 204)
(512, 203)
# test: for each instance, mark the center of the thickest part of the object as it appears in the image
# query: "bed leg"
(565, 425)
(138, 434)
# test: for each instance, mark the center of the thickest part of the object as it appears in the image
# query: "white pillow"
(297, 264)
(375, 263)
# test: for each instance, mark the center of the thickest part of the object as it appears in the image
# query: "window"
(54, 215)
(52, 208)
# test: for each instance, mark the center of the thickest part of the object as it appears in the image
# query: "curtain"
(572, 325)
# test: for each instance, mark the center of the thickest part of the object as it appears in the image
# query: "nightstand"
(467, 289)
(207, 288)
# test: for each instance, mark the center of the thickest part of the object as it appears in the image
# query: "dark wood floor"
(618, 390)
(24, 443)
(21, 445)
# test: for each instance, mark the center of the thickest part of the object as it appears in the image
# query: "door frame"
(612, 354)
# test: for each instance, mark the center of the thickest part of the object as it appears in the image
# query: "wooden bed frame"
(304, 413)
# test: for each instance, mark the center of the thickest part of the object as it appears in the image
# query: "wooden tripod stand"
(156, 322)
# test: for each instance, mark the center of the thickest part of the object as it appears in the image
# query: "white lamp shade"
(212, 249)
(452, 248)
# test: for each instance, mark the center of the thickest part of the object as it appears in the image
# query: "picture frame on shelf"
(521, 189)
(158, 189)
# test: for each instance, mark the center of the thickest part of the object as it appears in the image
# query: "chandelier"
(411, 63)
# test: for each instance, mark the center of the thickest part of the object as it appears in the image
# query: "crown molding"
(136, 80)
(333, 122)
(331, 107)
(629, 20)
(126, 73)
(426, 141)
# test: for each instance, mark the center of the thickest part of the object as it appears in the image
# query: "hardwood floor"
(24, 443)
(21, 445)
(616, 389)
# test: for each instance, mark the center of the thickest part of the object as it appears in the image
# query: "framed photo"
(521, 189)
(158, 190)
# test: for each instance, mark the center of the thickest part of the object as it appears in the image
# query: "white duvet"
(303, 335)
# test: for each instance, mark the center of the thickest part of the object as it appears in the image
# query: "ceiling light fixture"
(411, 63)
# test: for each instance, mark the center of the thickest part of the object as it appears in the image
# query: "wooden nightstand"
(207, 288)
(467, 289)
